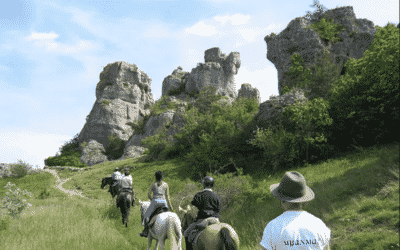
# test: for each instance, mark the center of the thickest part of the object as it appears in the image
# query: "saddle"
(193, 235)
(160, 209)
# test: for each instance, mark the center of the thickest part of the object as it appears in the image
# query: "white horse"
(166, 226)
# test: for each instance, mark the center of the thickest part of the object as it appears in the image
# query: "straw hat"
(292, 188)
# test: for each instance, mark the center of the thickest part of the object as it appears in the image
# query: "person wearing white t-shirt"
(295, 229)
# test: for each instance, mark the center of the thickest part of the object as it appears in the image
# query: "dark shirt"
(208, 203)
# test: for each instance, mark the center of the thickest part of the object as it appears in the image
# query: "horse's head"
(103, 183)
(143, 207)
(188, 218)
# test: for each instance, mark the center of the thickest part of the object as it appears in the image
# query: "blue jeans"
(153, 205)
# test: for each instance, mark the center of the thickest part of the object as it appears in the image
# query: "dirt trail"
(60, 182)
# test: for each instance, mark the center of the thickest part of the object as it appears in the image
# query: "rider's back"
(296, 230)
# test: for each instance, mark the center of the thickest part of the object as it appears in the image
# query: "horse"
(216, 236)
(109, 181)
(166, 225)
(124, 201)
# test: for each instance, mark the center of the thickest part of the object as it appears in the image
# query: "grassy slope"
(357, 195)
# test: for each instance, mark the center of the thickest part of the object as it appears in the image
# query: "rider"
(295, 228)
(208, 203)
(116, 176)
(160, 191)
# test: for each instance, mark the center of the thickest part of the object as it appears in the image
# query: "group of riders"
(294, 229)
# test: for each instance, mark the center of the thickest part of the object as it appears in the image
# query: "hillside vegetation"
(344, 145)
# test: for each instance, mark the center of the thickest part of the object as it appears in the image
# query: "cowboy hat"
(292, 188)
(116, 169)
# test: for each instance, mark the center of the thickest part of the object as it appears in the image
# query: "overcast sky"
(52, 52)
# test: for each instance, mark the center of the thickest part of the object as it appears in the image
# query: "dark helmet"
(116, 169)
(208, 181)
(126, 172)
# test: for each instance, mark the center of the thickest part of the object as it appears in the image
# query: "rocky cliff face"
(353, 37)
(123, 95)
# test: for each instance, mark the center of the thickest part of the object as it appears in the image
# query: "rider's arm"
(150, 190)
(168, 201)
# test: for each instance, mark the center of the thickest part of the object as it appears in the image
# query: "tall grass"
(356, 195)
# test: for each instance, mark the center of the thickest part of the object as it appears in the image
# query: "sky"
(52, 53)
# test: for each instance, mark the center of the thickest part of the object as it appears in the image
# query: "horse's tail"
(225, 236)
(174, 233)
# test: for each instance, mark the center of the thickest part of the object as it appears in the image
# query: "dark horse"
(125, 199)
(109, 181)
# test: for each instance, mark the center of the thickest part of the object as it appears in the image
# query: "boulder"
(218, 71)
(123, 95)
(249, 92)
(269, 113)
(174, 81)
(355, 36)
(93, 153)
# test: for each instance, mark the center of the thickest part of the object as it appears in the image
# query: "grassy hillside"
(356, 195)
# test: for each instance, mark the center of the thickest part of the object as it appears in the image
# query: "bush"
(44, 194)
(20, 169)
(71, 159)
(115, 148)
(70, 147)
(365, 101)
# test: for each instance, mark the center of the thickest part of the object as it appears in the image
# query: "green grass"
(356, 195)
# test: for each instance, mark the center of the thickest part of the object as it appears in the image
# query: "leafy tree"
(319, 12)
(365, 101)
(71, 146)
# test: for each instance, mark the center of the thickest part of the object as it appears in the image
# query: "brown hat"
(292, 188)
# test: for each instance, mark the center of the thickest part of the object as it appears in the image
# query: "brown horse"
(124, 201)
(216, 236)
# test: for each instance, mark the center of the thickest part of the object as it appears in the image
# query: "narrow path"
(60, 182)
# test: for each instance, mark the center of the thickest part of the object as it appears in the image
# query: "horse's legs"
(161, 244)
(149, 241)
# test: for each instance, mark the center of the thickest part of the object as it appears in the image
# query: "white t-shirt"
(126, 181)
(296, 230)
(116, 175)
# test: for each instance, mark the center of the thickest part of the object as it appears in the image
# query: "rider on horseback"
(116, 176)
(160, 191)
(208, 203)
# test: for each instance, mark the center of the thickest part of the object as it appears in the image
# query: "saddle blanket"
(195, 233)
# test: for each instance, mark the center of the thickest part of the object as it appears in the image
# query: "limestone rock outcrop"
(174, 81)
(248, 91)
(93, 153)
(354, 37)
(123, 95)
(218, 71)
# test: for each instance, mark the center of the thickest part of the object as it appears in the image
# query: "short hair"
(293, 205)
(159, 175)
(126, 172)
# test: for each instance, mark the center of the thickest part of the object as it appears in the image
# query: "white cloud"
(236, 19)
(202, 29)
(42, 36)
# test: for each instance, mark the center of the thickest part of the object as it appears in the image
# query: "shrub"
(70, 147)
(365, 101)
(20, 169)
(71, 159)
(115, 147)
(279, 147)
(44, 194)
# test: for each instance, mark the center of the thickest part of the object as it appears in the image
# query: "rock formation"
(128, 94)
(123, 95)
(92, 153)
(249, 92)
(354, 37)
(218, 71)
